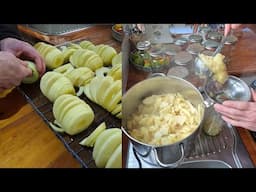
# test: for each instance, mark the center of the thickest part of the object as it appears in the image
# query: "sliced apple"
(91, 139)
(115, 160)
(107, 148)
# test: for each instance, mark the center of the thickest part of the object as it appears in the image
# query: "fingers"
(245, 124)
(227, 29)
(28, 52)
(253, 94)
(240, 105)
(40, 65)
(24, 68)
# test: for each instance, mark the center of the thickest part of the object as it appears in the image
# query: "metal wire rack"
(44, 108)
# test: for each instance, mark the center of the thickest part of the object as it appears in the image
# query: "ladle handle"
(170, 165)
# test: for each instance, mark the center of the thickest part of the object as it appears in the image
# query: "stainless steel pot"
(167, 155)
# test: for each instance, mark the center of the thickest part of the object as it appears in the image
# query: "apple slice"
(115, 160)
(107, 148)
(117, 60)
(91, 139)
(102, 139)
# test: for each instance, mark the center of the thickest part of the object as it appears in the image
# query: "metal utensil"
(218, 50)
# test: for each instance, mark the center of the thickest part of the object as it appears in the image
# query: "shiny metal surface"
(223, 151)
(168, 155)
(56, 29)
(205, 164)
(233, 89)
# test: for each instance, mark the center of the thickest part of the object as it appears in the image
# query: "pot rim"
(177, 142)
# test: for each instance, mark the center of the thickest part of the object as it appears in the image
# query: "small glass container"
(208, 52)
(214, 35)
(172, 49)
(178, 71)
(195, 48)
(140, 57)
(183, 58)
(181, 41)
(204, 29)
(195, 38)
(211, 45)
(149, 58)
(213, 122)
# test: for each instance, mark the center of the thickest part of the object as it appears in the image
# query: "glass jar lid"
(181, 41)
(178, 71)
(204, 30)
(195, 48)
(172, 49)
(208, 52)
(183, 58)
(210, 44)
(195, 38)
(143, 45)
(214, 35)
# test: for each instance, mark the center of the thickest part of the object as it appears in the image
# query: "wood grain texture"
(249, 143)
(26, 141)
(241, 55)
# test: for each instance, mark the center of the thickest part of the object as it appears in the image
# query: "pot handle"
(171, 165)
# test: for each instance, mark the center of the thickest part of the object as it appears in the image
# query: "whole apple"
(35, 75)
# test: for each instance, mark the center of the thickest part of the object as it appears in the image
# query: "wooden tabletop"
(26, 141)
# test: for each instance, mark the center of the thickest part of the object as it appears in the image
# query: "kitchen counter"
(241, 62)
(26, 141)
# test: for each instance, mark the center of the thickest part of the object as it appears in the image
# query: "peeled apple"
(91, 139)
(117, 60)
(115, 160)
(105, 92)
(52, 55)
(72, 113)
(87, 45)
(54, 84)
(86, 58)
(116, 72)
(35, 75)
(105, 145)
(80, 76)
(106, 52)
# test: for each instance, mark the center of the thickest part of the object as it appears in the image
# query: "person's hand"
(12, 70)
(239, 113)
(24, 51)
(228, 28)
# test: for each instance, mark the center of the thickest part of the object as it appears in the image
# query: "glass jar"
(213, 122)
(149, 58)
